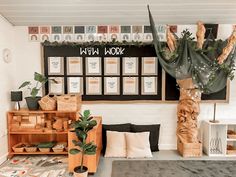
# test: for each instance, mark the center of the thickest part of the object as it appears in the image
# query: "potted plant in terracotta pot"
(81, 129)
(32, 100)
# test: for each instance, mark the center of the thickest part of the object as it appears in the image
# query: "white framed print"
(93, 86)
(93, 65)
(56, 86)
(74, 66)
(149, 85)
(111, 66)
(149, 66)
(75, 85)
(111, 85)
(130, 86)
(55, 66)
(130, 66)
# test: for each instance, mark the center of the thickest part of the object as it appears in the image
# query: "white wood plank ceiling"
(111, 12)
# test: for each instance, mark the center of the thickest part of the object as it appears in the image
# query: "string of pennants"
(95, 33)
(102, 33)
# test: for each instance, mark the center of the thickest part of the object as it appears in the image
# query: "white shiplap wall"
(108, 12)
(28, 58)
(7, 82)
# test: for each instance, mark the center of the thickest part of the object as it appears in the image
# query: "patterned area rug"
(35, 166)
(186, 168)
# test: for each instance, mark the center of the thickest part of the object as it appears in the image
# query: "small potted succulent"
(81, 129)
(32, 100)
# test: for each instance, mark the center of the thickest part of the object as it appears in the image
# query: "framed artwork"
(130, 85)
(93, 65)
(111, 85)
(74, 66)
(93, 86)
(149, 85)
(75, 85)
(149, 66)
(130, 66)
(111, 66)
(58, 87)
(55, 65)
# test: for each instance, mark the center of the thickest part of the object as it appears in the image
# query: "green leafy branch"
(34, 89)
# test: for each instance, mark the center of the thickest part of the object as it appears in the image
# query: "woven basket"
(58, 150)
(45, 150)
(17, 148)
(189, 149)
(68, 102)
(48, 103)
(31, 149)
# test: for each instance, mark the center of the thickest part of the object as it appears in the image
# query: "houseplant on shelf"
(81, 129)
(32, 100)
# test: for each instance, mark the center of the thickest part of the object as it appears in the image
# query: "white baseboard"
(167, 146)
(3, 158)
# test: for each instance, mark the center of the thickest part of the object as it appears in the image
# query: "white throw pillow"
(116, 144)
(138, 145)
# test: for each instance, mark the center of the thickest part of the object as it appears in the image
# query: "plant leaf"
(34, 92)
(87, 114)
(74, 151)
(24, 84)
(39, 77)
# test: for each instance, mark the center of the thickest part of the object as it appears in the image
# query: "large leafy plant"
(81, 128)
(34, 89)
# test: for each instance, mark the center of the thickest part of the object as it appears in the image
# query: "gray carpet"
(169, 168)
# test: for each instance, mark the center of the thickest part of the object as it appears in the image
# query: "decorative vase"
(79, 173)
(32, 102)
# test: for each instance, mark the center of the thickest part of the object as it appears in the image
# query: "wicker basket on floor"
(189, 149)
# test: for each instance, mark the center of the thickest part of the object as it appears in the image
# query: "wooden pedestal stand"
(187, 112)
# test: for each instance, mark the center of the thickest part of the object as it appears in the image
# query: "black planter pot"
(32, 102)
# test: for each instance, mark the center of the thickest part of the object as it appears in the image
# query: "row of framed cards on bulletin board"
(111, 85)
(103, 75)
(94, 66)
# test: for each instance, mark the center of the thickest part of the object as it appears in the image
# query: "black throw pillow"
(154, 134)
(113, 127)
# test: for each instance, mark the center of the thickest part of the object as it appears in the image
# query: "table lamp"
(16, 96)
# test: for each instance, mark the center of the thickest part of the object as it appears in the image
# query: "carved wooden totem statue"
(188, 111)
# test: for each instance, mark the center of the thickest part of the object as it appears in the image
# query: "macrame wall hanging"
(201, 66)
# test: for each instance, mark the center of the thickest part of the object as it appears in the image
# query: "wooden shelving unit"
(25, 135)
(21, 135)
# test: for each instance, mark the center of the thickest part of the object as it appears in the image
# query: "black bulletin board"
(167, 92)
(127, 51)
(172, 92)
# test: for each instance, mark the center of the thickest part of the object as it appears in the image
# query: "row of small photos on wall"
(95, 33)
(111, 75)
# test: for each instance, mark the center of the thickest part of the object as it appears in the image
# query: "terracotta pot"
(79, 173)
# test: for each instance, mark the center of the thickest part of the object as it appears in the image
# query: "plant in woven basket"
(81, 129)
(32, 100)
